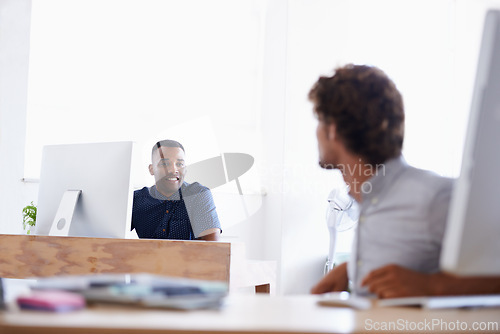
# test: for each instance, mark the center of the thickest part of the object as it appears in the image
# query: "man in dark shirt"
(173, 208)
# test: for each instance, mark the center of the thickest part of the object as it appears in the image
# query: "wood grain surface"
(23, 256)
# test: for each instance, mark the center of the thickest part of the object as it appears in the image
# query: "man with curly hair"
(403, 210)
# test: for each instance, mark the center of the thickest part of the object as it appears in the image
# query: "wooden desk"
(247, 314)
(23, 256)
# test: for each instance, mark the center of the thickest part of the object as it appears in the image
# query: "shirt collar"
(153, 191)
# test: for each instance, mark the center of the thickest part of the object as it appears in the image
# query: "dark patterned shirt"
(184, 215)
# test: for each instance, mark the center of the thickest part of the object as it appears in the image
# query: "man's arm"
(335, 280)
(393, 281)
(210, 235)
(203, 215)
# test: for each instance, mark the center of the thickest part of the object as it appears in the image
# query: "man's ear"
(151, 170)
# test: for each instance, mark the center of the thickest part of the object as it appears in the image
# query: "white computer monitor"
(102, 172)
(471, 244)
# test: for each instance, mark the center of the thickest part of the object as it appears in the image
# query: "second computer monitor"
(471, 244)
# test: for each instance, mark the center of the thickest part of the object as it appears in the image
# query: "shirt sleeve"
(201, 210)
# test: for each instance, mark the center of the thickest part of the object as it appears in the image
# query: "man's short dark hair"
(366, 108)
(167, 143)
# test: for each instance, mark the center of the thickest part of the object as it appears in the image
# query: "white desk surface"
(245, 314)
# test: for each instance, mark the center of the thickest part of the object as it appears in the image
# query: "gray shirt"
(402, 221)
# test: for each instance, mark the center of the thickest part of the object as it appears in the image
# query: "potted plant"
(29, 218)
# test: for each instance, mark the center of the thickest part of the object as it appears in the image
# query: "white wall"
(14, 52)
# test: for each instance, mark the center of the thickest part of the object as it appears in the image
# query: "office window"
(144, 70)
(135, 70)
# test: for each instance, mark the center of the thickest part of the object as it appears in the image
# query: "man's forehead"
(168, 153)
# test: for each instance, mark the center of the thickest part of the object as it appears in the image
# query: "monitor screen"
(100, 174)
(470, 245)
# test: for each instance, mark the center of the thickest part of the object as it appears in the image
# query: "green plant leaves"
(29, 216)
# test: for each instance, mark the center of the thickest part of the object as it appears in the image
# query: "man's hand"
(394, 281)
(335, 280)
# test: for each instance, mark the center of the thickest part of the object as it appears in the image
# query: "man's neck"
(356, 172)
(164, 191)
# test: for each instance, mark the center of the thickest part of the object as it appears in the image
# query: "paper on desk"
(141, 289)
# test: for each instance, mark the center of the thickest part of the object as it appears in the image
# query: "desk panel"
(23, 256)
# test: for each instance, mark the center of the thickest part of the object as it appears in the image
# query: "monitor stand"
(64, 215)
